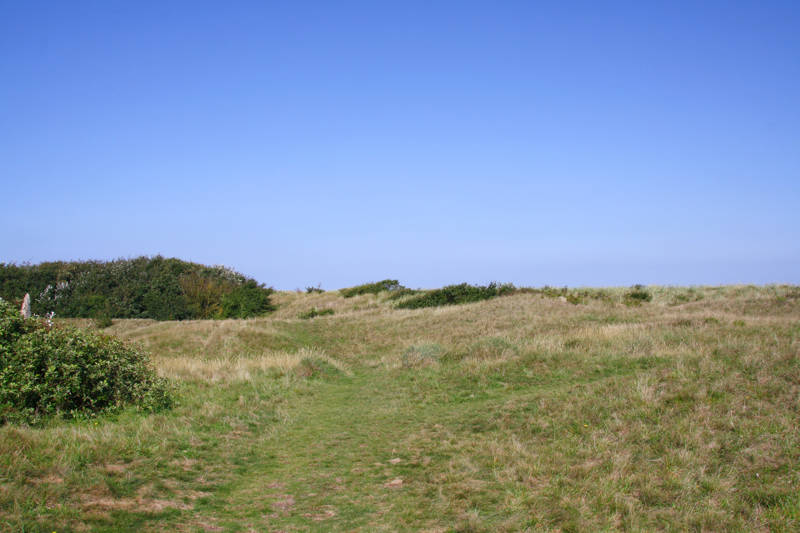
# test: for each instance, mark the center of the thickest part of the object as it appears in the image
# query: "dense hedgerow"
(144, 287)
(457, 294)
(66, 371)
(387, 285)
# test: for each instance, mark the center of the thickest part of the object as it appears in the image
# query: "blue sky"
(577, 143)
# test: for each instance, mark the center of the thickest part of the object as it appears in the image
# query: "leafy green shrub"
(68, 371)
(637, 295)
(389, 285)
(103, 320)
(314, 312)
(203, 294)
(249, 299)
(457, 294)
(312, 290)
(144, 287)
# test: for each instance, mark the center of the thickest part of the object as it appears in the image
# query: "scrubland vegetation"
(67, 372)
(144, 287)
(643, 409)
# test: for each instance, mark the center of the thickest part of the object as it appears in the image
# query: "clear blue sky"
(586, 143)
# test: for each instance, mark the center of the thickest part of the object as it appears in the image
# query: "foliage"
(314, 312)
(247, 300)
(103, 319)
(204, 294)
(402, 293)
(637, 295)
(317, 289)
(389, 285)
(144, 287)
(68, 371)
(457, 294)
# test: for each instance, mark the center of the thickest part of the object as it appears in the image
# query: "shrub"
(402, 293)
(389, 285)
(317, 289)
(68, 371)
(103, 320)
(203, 294)
(637, 295)
(457, 294)
(249, 299)
(144, 287)
(314, 312)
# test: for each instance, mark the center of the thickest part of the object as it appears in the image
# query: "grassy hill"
(542, 410)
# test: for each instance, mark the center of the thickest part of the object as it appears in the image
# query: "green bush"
(457, 294)
(247, 300)
(314, 312)
(387, 285)
(66, 371)
(638, 295)
(312, 290)
(103, 320)
(144, 287)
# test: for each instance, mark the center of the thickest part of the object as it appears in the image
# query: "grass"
(526, 412)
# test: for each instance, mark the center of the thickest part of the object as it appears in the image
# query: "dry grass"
(519, 413)
(238, 367)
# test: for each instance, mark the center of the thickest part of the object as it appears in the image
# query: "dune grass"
(525, 412)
